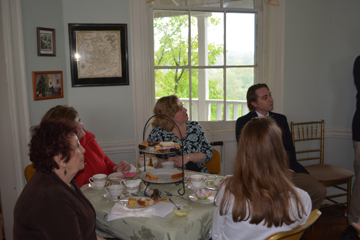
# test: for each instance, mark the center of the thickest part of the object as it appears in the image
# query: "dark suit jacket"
(286, 137)
(49, 209)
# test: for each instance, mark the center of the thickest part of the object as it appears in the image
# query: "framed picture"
(46, 42)
(98, 55)
(47, 85)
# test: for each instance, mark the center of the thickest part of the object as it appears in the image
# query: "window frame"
(259, 50)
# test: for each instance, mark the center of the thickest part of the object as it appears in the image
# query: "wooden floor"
(330, 225)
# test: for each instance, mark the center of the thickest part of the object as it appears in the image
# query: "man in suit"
(260, 104)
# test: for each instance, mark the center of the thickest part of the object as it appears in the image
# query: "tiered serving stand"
(144, 151)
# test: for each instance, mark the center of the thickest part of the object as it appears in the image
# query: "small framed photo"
(98, 55)
(47, 85)
(46, 41)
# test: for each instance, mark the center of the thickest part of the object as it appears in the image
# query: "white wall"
(321, 43)
(46, 14)
(105, 111)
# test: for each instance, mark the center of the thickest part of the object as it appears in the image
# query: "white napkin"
(120, 211)
(162, 209)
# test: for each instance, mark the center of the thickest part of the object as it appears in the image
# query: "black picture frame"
(102, 58)
(46, 42)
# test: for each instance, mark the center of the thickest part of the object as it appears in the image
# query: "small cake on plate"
(132, 202)
(151, 176)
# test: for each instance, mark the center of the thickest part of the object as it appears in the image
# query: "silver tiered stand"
(147, 184)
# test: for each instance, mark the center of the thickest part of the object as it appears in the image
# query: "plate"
(163, 174)
(191, 187)
(209, 200)
(151, 150)
(92, 186)
(116, 176)
(108, 197)
(125, 202)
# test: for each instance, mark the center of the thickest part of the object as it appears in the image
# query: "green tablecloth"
(171, 227)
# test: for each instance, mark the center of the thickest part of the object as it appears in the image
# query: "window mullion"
(224, 69)
(189, 64)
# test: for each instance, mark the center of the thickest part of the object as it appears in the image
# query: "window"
(207, 53)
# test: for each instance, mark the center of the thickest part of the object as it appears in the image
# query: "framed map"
(98, 55)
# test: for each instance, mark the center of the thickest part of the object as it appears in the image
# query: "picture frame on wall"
(46, 44)
(47, 85)
(98, 55)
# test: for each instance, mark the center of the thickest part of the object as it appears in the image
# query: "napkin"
(162, 209)
(121, 211)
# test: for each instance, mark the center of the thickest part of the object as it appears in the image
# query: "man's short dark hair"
(251, 95)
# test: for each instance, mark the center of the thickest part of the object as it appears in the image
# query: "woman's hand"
(291, 174)
(123, 166)
(178, 160)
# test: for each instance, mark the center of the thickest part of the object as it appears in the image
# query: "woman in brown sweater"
(51, 206)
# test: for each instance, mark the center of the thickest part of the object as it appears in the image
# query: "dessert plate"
(125, 203)
(163, 174)
(209, 200)
(92, 186)
(108, 197)
(191, 187)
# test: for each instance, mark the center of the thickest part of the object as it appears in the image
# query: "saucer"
(209, 200)
(108, 197)
(92, 186)
(191, 187)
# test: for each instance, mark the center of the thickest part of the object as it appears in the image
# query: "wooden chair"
(214, 166)
(297, 232)
(29, 171)
(329, 175)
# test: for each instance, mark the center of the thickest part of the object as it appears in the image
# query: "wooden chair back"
(313, 149)
(309, 131)
(297, 232)
(29, 171)
(214, 166)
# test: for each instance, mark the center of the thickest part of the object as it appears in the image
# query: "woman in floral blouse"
(197, 149)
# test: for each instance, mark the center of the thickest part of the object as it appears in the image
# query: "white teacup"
(167, 165)
(132, 186)
(115, 190)
(98, 179)
(211, 178)
(198, 180)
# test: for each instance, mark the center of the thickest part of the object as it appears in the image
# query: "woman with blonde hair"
(197, 149)
(259, 199)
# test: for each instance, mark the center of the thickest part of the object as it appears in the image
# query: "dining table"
(196, 225)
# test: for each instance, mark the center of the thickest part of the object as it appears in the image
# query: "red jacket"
(95, 160)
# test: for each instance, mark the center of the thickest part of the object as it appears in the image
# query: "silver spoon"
(170, 194)
(179, 208)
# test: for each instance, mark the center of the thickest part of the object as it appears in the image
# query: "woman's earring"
(65, 172)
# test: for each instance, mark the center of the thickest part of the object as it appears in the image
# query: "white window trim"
(273, 38)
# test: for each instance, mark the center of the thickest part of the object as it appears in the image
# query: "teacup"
(167, 165)
(198, 180)
(98, 179)
(211, 178)
(115, 190)
(132, 186)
